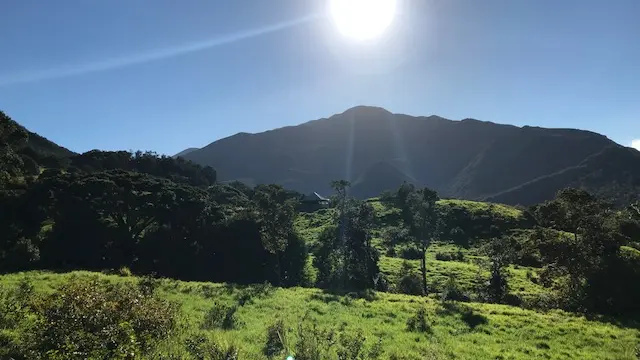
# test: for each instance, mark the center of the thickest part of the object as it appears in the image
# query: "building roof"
(314, 197)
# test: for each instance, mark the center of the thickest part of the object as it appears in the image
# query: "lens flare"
(362, 19)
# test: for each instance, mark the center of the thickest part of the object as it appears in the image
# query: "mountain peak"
(366, 110)
(379, 150)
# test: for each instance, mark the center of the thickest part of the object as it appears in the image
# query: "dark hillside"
(377, 150)
(612, 174)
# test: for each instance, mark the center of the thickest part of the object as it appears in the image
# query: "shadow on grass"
(466, 314)
(343, 296)
(622, 321)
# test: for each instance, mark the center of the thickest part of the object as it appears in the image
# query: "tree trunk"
(423, 268)
(278, 270)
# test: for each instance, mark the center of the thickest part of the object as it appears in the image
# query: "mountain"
(23, 152)
(377, 150)
(185, 152)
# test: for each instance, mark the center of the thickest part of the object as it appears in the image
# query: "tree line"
(115, 218)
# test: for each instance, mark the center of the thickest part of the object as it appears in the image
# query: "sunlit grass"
(480, 207)
(459, 331)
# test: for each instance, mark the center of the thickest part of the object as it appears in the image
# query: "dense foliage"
(83, 318)
(115, 218)
(345, 257)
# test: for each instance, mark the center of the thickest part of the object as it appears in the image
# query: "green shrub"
(13, 304)
(409, 282)
(246, 295)
(450, 256)
(419, 322)
(148, 285)
(351, 346)
(276, 339)
(452, 291)
(376, 350)
(313, 343)
(221, 316)
(202, 348)
(92, 318)
(409, 252)
(124, 271)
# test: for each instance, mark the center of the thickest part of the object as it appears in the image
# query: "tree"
(341, 188)
(276, 214)
(345, 257)
(12, 137)
(424, 224)
(500, 254)
(361, 257)
(586, 255)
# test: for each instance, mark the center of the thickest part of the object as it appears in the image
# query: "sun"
(362, 19)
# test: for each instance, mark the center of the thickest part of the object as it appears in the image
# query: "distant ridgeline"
(376, 150)
(25, 155)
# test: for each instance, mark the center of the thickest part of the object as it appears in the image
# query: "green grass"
(459, 331)
(310, 225)
(465, 273)
(476, 207)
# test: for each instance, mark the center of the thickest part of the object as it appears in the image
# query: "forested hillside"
(377, 150)
(408, 274)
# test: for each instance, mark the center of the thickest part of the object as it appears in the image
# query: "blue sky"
(165, 75)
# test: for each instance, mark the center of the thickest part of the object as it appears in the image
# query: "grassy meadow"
(456, 330)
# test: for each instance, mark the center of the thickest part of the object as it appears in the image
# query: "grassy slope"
(309, 225)
(504, 332)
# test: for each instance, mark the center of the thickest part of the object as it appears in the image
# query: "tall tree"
(424, 224)
(341, 187)
(276, 213)
(345, 257)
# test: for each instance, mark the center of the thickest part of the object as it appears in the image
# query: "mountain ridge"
(467, 158)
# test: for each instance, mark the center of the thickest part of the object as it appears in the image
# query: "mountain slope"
(23, 152)
(612, 174)
(376, 150)
(184, 152)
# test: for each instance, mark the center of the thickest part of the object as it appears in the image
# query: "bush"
(409, 252)
(276, 339)
(246, 295)
(148, 285)
(313, 343)
(202, 348)
(92, 318)
(450, 256)
(452, 291)
(409, 282)
(13, 304)
(221, 316)
(124, 271)
(418, 322)
(351, 346)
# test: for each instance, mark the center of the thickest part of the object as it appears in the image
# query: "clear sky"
(165, 75)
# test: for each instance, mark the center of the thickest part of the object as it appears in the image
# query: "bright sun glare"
(362, 19)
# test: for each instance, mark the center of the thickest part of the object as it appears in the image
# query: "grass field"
(479, 207)
(465, 272)
(457, 330)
